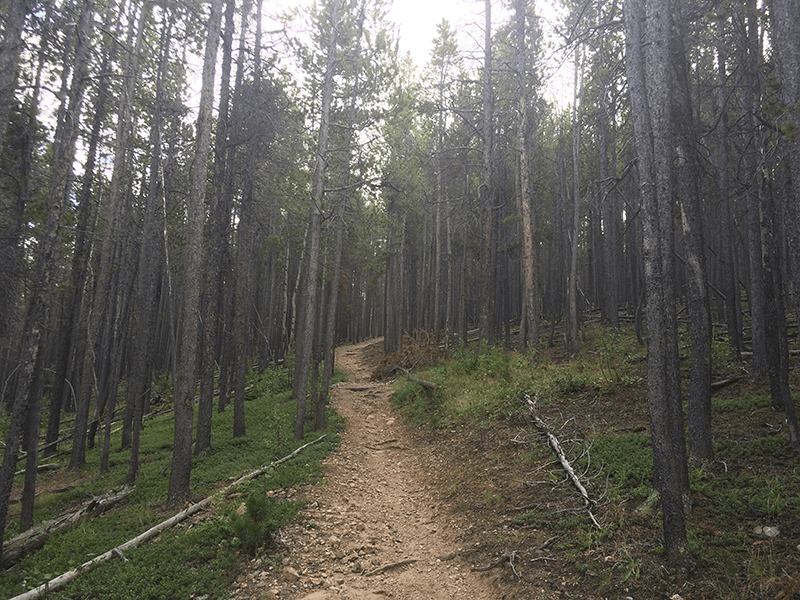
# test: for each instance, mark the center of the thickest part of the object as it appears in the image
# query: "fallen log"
(589, 504)
(35, 538)
(718, 385)
(424, 383)
(65, 578)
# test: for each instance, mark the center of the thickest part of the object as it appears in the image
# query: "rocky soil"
(378, 526)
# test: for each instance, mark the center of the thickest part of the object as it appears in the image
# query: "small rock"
(771, 532)
(289, 574)
(356, 567)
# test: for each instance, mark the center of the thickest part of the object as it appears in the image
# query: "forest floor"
(413, 513)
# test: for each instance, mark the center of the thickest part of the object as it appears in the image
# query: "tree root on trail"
(397, 565)
(507, 556)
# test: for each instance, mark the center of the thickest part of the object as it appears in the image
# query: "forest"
(189, 194)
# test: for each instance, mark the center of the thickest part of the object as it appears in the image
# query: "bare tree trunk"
(12, 206)
(733, 309)
(688, 188)
(573, 345)
(111, 213)
(186, 379)
(146, 300)
(244, 250)
(529, 337)
(647, 56)
(219, 211)
(329, 348)
(306, 328)
(487, 316)
(64, 144)
(751, 92)
(786, 25)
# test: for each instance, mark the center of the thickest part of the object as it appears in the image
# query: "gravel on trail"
(376, 527)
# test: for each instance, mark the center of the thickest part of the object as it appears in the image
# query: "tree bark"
(47, 254)
(687, 170)
(647, 35)
(529, 338)
(307, 325)
(146, 298)
(573, 346)
(186, 378)
(487, 192)
(219, 211)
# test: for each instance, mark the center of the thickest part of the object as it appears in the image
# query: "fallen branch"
(397, 565)
(42, 468)
(424, 383)
(69, 576)
(718, 385)
(503, 558)
(35, 538)
(589, 504)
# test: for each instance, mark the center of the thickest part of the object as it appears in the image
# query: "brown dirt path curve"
(377, 511)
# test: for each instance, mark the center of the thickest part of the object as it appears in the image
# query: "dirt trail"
(376, 528)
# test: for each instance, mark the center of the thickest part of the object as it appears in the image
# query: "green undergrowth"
(191, 560)
(753, 481)
(482, 384)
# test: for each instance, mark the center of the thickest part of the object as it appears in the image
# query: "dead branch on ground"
(589, 504)
(35, 537)
(69, 576)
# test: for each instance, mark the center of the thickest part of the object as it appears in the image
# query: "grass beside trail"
(752, 483)
(194, 560)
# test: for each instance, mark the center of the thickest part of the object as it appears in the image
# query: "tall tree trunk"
(733, 310)
(751, 95)
(186, 377)
(529, 337)
(244, 248)
(11, 208)
(64, 144)
(219, 211)
(146, 299)
(573, 345)
(72, 345)
(609, 213)
(689, 196)
(111, 214)
(306, 326)
(647, 58)
(487, 290)
(329, 348)
(786, 26)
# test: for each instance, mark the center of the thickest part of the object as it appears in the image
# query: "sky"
(417, 20)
